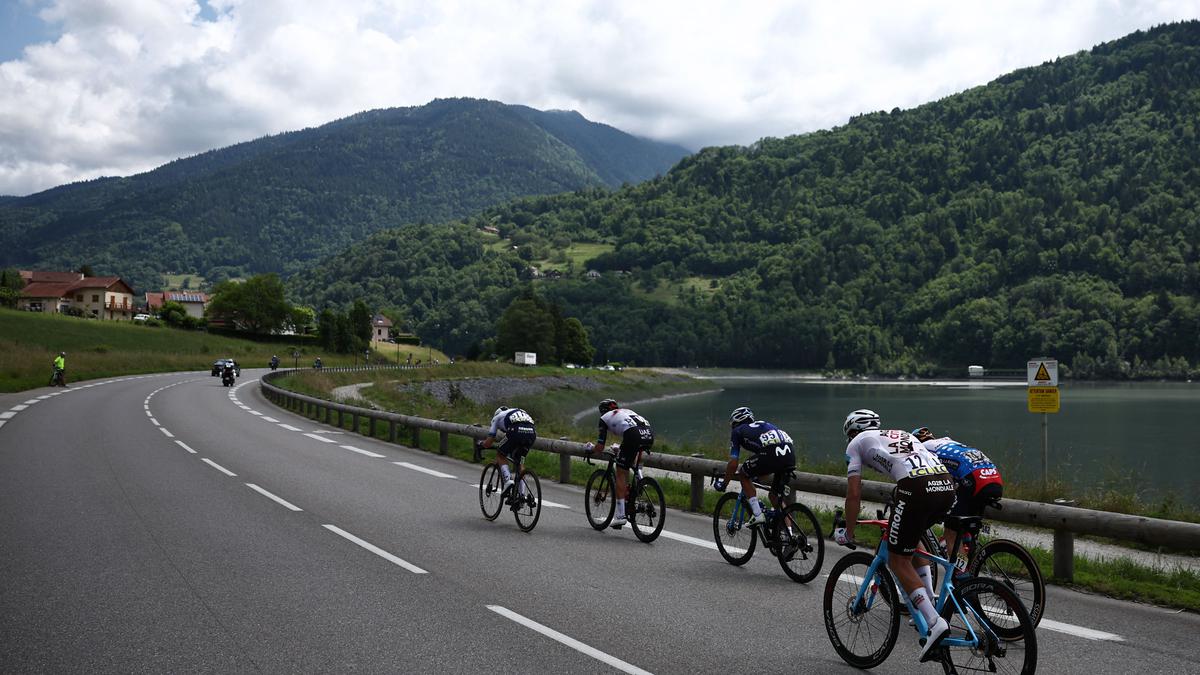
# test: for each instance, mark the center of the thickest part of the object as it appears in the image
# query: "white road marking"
(278, 500)
(31, 401)
(376, 550)
(185, 446)
(1079, 631)
(422, 469)
(7, 415)
(319, 438)
(149, 414)
(218, 467)
(569, 641)
(270, 419)
(166, 433)
(290, 427)
(254, 412)
(360, 451)
(19, 408)
(155, 422)
(554, 505)
(44, 397)
(3, 422)
(694, 541)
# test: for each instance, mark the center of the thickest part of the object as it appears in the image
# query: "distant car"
(219, 365)
(605, 367)
(141, 317)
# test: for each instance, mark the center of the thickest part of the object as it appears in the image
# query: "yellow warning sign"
(1043, 399)
(1042, 375)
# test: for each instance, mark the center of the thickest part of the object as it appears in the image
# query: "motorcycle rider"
(274, 362)
(227, 373)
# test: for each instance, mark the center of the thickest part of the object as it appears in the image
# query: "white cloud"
(130, 84)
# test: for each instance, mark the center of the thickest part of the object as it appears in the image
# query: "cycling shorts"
(971, 501)
(765, 463)
(516, 444)
(920, 502)
(633, 441)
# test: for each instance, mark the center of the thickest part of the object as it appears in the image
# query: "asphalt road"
(165, 523)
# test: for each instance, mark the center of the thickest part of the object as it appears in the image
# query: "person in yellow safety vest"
(60, 368)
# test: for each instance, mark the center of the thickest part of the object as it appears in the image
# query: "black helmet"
(740, 416)
(607, 404)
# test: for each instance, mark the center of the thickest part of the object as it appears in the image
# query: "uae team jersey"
(619, 421)
(892, 452)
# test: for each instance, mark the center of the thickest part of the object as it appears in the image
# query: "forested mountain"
(1053, 211)
(278, 203)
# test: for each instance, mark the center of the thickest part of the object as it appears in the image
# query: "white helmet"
(861, 420)
(501, 409)
(740, 416)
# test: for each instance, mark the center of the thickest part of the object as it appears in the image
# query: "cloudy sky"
(114, 87)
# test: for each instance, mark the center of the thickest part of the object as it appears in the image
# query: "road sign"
(1043, 399)
(1042, 372)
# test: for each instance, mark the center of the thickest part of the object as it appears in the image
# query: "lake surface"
(1130, 436)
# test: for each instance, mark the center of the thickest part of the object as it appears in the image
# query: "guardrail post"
(354, 422)
(341, 419)
(697, 496)
(371, 426)
(328, 414)
(564, 465)
(391, 431)
(443, 442)
(1064, 555)
(416, 438)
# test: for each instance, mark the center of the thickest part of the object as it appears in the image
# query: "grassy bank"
(30, 341)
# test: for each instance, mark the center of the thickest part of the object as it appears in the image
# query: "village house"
(193, 302)
(98, 297)
(380, 327)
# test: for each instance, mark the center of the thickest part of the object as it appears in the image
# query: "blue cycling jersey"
(962, 460)
(758, 437)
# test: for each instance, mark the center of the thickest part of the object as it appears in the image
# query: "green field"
(29, 342)
(668, 292)
(174, 282)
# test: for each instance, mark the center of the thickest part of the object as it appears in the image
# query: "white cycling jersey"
(619, 421)
(892, 452)
(507, 420)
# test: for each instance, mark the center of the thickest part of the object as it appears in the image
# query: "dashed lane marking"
(319, 438)
(1079, 631)
(422, 469)
(218, 467)
(569, 641)
(270, 419)
(7, 415)
(376, 550)
(274, 498)
(18, 408)
(185, 446)
(166, 433)
(360, 451)
(289, 427)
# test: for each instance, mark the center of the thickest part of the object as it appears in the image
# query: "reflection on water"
(1133, 436)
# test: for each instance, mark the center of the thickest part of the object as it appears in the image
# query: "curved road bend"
(166, 523)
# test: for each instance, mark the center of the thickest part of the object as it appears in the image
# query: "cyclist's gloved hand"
(589, 447)
(719, 485)
(839, 535)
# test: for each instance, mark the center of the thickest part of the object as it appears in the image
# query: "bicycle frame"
(867, 595)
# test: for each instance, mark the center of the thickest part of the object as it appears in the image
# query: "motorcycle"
(56, 378)
(274, 362)
(227, 377)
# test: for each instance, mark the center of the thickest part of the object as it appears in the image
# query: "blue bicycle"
(862, 611)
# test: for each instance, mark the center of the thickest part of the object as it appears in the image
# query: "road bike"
(791, 534)
(523, 497)
(56, 378)
(645, 507)
(1004, 560)
(861, 608)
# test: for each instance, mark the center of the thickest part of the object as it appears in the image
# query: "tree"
(301, 319)
(86, 270)
(255, 306)
(173, 313)
(327, 329)
(360, 317)
(526, 327)
(576, 347)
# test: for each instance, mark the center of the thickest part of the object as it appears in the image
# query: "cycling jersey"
(510, 421)
(892, 452)
(759, 437)
(968, 465)
(635, 432)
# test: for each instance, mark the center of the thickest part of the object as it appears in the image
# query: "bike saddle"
(970, 524)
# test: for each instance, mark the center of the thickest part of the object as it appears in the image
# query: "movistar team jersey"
(962, 460)
(510, 421)
(759, 437)
(619, 421)
(892, 452)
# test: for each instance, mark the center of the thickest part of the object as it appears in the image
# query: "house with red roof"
(99, 297)
(193, 302)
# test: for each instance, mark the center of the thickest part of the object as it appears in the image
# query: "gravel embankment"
(490, 389)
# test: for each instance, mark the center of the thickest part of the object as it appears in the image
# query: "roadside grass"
(1119, 578)
(398, 353)
(29, 342)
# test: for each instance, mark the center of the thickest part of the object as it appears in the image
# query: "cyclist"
(977, 477)
(771, 450)
(636, 436)
(924, 494)
(519, 435)
(60, 370)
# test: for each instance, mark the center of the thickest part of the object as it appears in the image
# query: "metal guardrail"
(1065, 521)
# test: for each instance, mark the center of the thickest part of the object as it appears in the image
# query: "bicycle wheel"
(600, 499)
(491, 491)
(863, 630)
(801, 546)
(647, 510)
(988, 606)
(1010, 564)
(735, 541)
(529, 508)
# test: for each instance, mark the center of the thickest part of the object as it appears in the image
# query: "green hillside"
(278, 203)
(1055, 211)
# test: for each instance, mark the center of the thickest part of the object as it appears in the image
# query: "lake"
(1130, 436)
